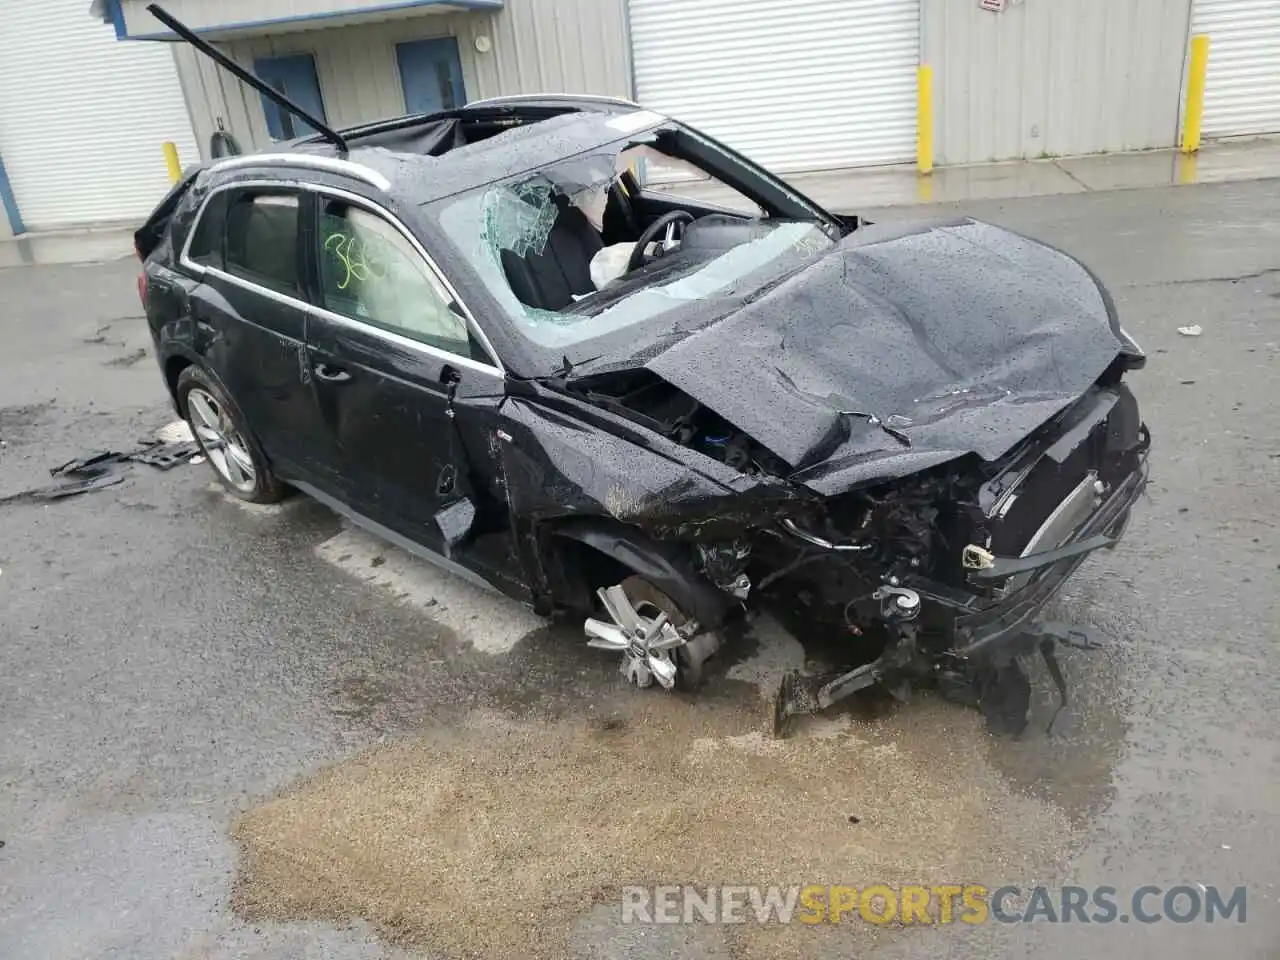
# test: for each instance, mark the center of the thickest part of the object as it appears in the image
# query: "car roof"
(389, 155)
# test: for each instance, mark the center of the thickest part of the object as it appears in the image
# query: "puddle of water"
(777, 653)
(491, 838)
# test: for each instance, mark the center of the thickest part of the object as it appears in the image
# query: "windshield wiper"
(562, 373)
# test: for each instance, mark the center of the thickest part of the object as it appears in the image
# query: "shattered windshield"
(560, 247)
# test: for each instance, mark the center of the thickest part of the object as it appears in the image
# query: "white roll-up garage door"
(1242, 92)
(83, 116)
(794, 85)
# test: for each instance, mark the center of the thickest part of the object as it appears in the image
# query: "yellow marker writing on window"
(358, 261)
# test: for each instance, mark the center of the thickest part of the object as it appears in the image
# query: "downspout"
(631, 50)
(10, 203)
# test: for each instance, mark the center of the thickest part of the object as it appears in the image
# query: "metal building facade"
(1012, 79)
(802, 84)
(82, 118)
(527, 46)
(817, 84)
(1051, 78)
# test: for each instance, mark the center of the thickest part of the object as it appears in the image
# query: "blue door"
(431, 75)
(295, 77)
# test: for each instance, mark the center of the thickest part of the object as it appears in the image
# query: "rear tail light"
(142, 288)
(142, 277)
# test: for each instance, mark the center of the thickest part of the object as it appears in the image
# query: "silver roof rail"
(518, 97)
(328, 164)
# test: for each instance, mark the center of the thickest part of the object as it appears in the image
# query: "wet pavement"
(900, 185)
(75, 247)
(170, 659)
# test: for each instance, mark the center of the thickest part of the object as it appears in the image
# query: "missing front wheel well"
(578, 570)
(592, 552)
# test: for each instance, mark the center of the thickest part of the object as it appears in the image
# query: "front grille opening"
(1040, 494)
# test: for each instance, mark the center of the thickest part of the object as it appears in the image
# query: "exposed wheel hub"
(643, 635)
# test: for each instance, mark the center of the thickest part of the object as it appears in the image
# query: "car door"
(249, 314)
(390, 354)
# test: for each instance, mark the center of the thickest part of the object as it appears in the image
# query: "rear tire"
(225, 438)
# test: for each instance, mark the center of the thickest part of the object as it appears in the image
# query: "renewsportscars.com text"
(941, 904)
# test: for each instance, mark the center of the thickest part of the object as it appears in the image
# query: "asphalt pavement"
(170, 659)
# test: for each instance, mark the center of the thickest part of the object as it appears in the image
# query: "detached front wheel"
(225, 439)
(645, 625)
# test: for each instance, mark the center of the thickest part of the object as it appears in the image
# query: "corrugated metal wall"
(831, 85)
(1054, 77)
(1242, 94)
(577, 46)
(83, 117)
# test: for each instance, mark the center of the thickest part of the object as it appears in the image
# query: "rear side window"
(206, 237)
(262, 238)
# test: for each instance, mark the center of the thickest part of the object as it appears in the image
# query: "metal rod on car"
(182, 30)
(790, 527)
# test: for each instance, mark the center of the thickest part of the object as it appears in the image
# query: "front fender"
(556, 464)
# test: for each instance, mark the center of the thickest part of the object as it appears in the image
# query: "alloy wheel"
(221, 442)
(641, 632)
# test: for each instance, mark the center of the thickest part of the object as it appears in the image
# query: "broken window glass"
(519, 217)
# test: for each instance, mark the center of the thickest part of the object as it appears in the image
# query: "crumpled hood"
(963, 336)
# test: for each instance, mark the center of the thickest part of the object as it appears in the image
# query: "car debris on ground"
(98, 471)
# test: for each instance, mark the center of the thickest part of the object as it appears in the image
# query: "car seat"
(549, 279)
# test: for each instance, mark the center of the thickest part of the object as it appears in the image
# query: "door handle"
(331, 374)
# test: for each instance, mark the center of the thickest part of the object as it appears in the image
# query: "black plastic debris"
(98, 471)
(96, 462)
(81, 475)
(89, 483)
(166, 456)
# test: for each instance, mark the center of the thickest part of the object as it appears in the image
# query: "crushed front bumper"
(986, 633)
(982, 625)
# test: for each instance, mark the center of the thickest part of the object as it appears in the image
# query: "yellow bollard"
(1195, 93)
(171, 160)
(1187, 173)
(924, 119)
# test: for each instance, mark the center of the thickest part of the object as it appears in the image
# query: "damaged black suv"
(588, 356)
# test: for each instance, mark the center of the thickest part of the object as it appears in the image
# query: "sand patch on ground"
(488, 840)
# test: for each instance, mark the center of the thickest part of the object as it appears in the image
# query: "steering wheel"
(670, 226)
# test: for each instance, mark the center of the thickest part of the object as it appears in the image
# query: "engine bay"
(646, 399)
